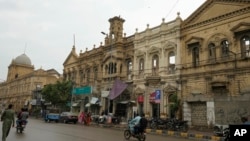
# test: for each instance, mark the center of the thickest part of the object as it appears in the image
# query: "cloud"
(44, 29)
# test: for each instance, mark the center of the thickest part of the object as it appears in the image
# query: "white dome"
(23, 59)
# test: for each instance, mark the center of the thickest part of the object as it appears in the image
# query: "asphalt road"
(38, 130)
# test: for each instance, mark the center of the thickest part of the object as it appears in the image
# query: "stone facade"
(210, 70)
(215, 62)
(22, 83)
(156, 55)
(99, 68)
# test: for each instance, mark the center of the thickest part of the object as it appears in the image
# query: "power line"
(172, 8)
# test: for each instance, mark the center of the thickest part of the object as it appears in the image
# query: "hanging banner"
(157, 96)
(140, 99)
(152, 97)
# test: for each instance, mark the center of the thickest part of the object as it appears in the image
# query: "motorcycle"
(102, 119)
(178, 125)
(116, 120)
(226, 134)
(220, 129)
(141, 136)
(158, 123)
(20, 127)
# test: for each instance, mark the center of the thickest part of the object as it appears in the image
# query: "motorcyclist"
(22, 116)
(142, 124)
(134, 123)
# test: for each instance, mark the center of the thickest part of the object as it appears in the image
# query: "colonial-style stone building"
(157, 51)
(22, 83)
(99, 68)
(204, 60)
(215, 68)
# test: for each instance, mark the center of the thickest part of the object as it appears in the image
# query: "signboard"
(157, 96)
(140, 99)
(82, 90)
(105, 93)
(152, 97)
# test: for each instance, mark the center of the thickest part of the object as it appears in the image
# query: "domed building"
(19, 66)
(24, 83)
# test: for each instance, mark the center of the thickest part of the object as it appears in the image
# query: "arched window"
(155, 61)
(195, 52)
(225, 48)
(171, 58)
(171, 62)
(245, 45)
(212, 52)
(112, 68)
(155, 64)
(141, 65)
(129, 69)
(130, 66)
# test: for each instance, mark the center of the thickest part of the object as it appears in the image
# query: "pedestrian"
(88, 118)
(81, 117)
(8, 118)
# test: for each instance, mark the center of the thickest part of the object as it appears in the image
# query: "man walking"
(8, 118)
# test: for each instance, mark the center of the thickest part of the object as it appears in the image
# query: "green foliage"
(58, 93)
(174, 107)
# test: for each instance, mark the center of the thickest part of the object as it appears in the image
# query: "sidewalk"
(198, 135)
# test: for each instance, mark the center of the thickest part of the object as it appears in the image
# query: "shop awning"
(127, 101)
(75, 104)
(94, 100)
(87, 105)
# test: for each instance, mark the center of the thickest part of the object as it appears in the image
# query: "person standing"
(88, 118)
(8, 118)
(81, 117)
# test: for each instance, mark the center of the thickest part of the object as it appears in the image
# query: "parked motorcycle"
(95, 118)
(158, 123)
(226, 134)
(116, 120)
(102, 119)
(178, 125)
(141, 136)
(20, 127)
(220, 129)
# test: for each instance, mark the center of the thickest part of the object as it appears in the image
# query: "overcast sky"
(44, 29)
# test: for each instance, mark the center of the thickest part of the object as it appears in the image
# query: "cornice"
(219, 18)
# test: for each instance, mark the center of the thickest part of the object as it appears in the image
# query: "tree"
(59, 93)
(175, 105)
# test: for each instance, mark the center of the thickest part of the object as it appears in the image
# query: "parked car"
(68, 117)
(52, 115)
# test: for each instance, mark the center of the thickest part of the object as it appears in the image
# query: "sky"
(45, 30)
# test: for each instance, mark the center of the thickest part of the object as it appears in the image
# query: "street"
(38, 130)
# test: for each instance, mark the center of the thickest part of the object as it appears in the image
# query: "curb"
(194, 136)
